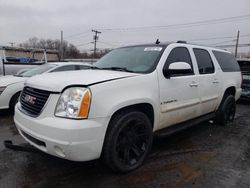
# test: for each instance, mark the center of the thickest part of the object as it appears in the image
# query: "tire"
(226, 112)
(128, 141)
(13, 102)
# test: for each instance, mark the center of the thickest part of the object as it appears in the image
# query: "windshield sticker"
(153, 49)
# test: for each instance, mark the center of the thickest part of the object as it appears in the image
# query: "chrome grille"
(33, 100)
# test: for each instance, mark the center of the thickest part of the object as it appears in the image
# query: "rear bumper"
(76, 140)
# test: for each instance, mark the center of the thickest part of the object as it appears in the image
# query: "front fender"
(8, 93)
(108, 98)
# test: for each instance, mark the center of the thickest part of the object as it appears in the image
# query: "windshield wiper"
(117, 69)
(111, 68)
(94, 68)
(17, 75)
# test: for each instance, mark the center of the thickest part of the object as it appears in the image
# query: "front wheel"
(128, 141)
(226, 112)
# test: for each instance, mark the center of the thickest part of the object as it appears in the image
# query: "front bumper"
(76, 140)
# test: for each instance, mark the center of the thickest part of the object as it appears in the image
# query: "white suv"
(113, 110)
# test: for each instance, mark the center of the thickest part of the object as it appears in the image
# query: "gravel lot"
(206, 155)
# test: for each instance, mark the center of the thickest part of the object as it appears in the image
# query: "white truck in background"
(11, 68)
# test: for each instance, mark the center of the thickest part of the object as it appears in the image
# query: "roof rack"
(182, 41)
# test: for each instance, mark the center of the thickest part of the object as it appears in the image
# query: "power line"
(107, 43)
(78, 37)
(84, 44)
(77, 34)
(233, 45)
(214, 38)
(189, 24)
(222, 42)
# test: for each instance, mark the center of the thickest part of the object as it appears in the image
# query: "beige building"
(52, 55)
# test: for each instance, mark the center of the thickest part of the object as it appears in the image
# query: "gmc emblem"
(30, 99)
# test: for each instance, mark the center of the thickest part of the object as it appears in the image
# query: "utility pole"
(95, 40)
(61, 45)
(237, 44)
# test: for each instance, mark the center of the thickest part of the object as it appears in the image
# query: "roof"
(184, 43)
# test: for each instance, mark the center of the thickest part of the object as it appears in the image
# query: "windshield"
(140, 59)
(38, 70)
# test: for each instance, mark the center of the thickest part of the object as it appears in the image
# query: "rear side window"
(204, 61)
(227, 61)
(179, 54)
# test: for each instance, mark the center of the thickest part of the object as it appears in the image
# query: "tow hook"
(21, 147)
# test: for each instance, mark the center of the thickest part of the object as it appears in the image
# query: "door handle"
(193, 84)
(216, 81)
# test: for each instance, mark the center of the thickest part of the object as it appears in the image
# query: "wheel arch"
(144, 107)
(230, 91)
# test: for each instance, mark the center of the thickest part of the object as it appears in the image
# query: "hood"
(8, 80)
(56, 82)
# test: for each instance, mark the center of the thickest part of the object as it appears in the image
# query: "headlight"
(74, 103)
(2, 89)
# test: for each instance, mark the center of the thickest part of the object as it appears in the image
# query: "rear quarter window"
(227, 61)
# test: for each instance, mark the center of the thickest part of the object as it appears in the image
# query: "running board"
(185, 125)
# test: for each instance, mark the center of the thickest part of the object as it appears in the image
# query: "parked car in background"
(245, 70)
(245, 94)
(113, 109)
(11, 86)
(244, 65)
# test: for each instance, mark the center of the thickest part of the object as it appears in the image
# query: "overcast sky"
(22, 19)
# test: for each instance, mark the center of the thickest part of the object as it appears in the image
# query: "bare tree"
(70, 51)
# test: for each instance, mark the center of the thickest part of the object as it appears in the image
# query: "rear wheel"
(128, 141)
(226, 112)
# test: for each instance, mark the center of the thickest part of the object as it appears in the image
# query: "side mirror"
(177, 68)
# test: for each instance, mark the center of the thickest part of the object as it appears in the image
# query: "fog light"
(59, 151)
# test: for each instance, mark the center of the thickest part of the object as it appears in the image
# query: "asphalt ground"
(206, 155)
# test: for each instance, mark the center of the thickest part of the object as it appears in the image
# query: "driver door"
(179, 94)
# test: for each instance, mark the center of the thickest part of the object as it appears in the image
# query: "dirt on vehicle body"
(204, 156)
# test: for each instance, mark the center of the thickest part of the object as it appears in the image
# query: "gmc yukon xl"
(112, 110)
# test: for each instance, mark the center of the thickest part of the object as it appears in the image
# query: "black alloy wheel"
(131, 143)
(226, 112)
(128, 141)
